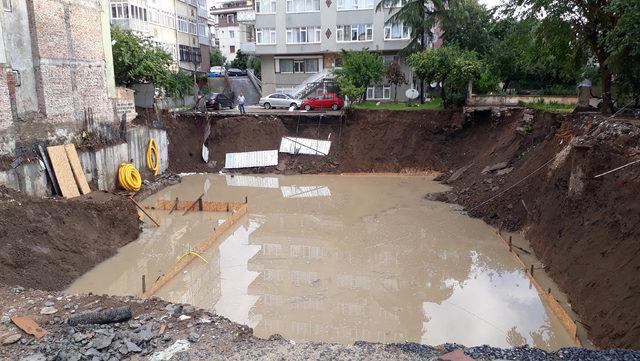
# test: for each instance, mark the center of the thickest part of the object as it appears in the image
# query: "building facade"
(55, 67)
(233, 27)
(299, 41)
(178, 26)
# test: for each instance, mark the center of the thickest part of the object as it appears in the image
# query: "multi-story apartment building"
(299, 41)
(232, 26)
(178, 26)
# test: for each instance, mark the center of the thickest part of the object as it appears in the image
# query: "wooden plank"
(62, 168)
(207, 206)
(199, 200)
(49, 168)
(201, 248)
(145, 212)
(29, 326)
(76, 168)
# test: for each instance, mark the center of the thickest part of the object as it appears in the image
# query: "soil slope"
(588, 240)
(47, 243)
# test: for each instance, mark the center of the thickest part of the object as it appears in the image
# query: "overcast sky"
(490, 3)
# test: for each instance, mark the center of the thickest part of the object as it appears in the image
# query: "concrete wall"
(124, 102)
(514, 100)
(100, 166)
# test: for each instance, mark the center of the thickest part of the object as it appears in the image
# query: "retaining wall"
(513, 100)
(100, 166)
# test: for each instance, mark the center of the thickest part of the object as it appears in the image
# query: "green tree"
(395, 76)
(136, 61)
(623, 43)
(421, 16)
(449, 66)
(255, 64)
(466, 24)
(216, 58)
(359, 70)
(589, 22)
(240, 60)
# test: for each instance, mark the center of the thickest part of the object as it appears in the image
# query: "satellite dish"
(434, 84)
(412, 93)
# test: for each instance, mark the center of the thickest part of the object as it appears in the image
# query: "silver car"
(278, 100)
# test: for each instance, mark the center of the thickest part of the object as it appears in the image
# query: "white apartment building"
(232, 26)
(178, 26)
(299, 42)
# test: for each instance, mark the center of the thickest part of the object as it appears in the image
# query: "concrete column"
(579, 170)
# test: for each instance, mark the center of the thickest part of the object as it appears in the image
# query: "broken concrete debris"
(497, 166)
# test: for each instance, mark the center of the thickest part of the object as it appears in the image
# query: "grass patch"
(430, 105)
(551, 107)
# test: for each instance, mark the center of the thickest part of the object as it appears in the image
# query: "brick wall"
(125, 103)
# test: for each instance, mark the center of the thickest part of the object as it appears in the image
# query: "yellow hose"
(153, 160)
(129, 177)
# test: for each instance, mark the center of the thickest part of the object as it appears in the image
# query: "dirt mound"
(588, 241)
(47, 243)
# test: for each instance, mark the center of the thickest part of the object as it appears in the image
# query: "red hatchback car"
(323, 101)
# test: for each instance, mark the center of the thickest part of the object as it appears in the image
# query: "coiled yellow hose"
(129, 177)
(153, 160)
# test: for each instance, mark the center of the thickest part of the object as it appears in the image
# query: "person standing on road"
(241, 103)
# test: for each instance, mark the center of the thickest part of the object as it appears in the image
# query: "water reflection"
(370, 260)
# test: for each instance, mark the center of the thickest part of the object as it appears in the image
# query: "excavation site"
(475, 234)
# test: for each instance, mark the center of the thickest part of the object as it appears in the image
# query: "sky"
(490, 3)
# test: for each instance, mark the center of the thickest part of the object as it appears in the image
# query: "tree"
(466, 24)
(449, 66)
(136, 60)
(420, 16)
(623, 43)
(395, 76)
(255, 64)
(590, 22)
(359, 70)
(240, 60)
(216, 58)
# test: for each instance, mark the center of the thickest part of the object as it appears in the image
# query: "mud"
(47, 243)
(340, 259)
(588, 243)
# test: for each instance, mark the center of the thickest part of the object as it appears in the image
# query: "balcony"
(248, 48)
(131, 24)
(246, 16)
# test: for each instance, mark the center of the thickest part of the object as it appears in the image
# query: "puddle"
(340, 259)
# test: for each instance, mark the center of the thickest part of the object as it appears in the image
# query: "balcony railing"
(246, 16)
(248, 48)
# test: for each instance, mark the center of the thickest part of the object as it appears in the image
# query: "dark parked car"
(236, 72)
(323, 101)
(218, 101)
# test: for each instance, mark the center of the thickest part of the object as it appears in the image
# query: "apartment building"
(178, 26)
(299, 42)
(233, 28)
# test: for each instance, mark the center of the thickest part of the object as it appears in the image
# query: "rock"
(183, 317)
(79, 336)
(5, 320)
(102, 341)
(187, 310)
(48, 310)
(504, 171)
(11, 339)
(497, 166)
(173, 309)
(146, 333)
(34, 357)
(92, 352)
(49, 304)
(193, 337)
(132, 347)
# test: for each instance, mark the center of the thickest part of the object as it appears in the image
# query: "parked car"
(323, 101)
(218, 101)
(216, 71)
(236, 72)
(278, 100)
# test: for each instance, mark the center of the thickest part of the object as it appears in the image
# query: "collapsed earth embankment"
(515, 169)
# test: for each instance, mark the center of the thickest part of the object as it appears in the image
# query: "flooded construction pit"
(338, 259)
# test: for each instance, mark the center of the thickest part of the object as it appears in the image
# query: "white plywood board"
(263, 158)
(295, 145)
(305, 191)
(252, 181)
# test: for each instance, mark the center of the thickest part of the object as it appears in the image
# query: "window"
(298, 66)
(231, 18)
(183, 24)
(189, 54)
(232, 49)
(396, 31)
(388, 59)
(119, 11)
(265, 6)
(154, 16)
(397, 4)
(265, 36)
(300, 6)
(304, 35)
(356, 32)
(232, 34)
(138, 13)
(193, 28)
(6, 4)
(355, 4)
(202, 30)
(379, 92)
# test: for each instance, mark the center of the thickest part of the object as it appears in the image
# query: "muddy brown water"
(339, 259)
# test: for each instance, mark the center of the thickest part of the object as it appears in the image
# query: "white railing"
(297, 91)
(246, 16)
(248, 48)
